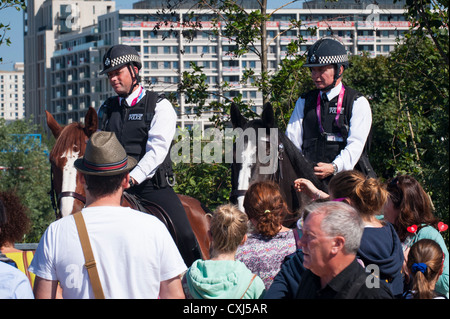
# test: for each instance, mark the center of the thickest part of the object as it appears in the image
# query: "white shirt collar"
(331, 94)
(133, 95)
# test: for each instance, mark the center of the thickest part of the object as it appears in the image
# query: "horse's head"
(267, 154)
(256, 151)
(70, 144)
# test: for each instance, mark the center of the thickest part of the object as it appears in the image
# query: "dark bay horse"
(269, 155)
(68, 195)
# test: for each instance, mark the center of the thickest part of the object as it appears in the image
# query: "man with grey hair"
(332, 234)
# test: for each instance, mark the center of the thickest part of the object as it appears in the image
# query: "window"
(228, 63)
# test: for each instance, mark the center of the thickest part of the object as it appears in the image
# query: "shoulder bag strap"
(251, 281)
(88, 256)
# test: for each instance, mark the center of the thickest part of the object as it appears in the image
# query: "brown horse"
(68, 194)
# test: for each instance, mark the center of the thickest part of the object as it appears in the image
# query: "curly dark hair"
(264, 203)
(17, 221)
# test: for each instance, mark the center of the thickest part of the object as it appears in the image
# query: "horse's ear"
(267, 115)
(53, 125)
(237, 120)
(90, 122)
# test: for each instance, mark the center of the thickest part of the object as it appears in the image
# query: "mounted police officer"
(331, 124)
(145, 124)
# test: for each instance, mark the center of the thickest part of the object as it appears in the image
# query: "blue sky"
(14, 52)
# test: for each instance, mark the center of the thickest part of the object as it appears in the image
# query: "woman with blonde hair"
(269, 242)
(223, 277)
(380, 245)
(425, 265)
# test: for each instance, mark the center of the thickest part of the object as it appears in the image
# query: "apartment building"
(166, 52)
(12, 93)
(45, 21)
(74, 75)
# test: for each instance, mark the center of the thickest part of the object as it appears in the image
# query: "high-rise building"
(12, 93)
(167, 52)
(44, 22)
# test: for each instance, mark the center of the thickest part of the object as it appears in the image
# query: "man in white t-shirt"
(135, 255)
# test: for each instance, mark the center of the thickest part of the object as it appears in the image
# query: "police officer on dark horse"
(331, 125)
(145, 124)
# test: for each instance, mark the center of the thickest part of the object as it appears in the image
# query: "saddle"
(145, 206)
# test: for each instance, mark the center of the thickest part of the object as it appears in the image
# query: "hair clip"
(267, 211)
(419, 267)
(412, 229)
(442, 227)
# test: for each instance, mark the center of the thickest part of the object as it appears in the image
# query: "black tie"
(124, 103)
(324, 105)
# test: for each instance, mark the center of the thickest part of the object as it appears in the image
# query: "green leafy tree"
(25, 159)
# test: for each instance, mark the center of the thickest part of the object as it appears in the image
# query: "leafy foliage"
(207, 182)
(27, 173)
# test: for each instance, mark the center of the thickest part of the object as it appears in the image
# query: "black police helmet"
(327, 51)
(118, 56)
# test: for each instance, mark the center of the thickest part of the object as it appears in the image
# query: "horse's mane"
(302, 167)
(72, 139)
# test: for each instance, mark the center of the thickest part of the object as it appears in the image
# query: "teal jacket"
(222, 279)
(429, 232)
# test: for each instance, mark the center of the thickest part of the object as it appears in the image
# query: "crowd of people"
(349, 244)
(364, 239)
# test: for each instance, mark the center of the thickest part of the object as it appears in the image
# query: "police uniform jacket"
(359, 126)
(159, 135)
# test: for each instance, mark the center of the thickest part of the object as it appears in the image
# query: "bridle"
(56, 198)
(236, 193)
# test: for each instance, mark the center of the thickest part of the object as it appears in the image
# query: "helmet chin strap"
(336, 77)
(135, 81)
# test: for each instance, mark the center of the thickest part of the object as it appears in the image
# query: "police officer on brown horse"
(145, 124)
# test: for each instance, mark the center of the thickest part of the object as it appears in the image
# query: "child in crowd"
(223, 277)
(425, 265)
(270, 242)
(410, 210)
